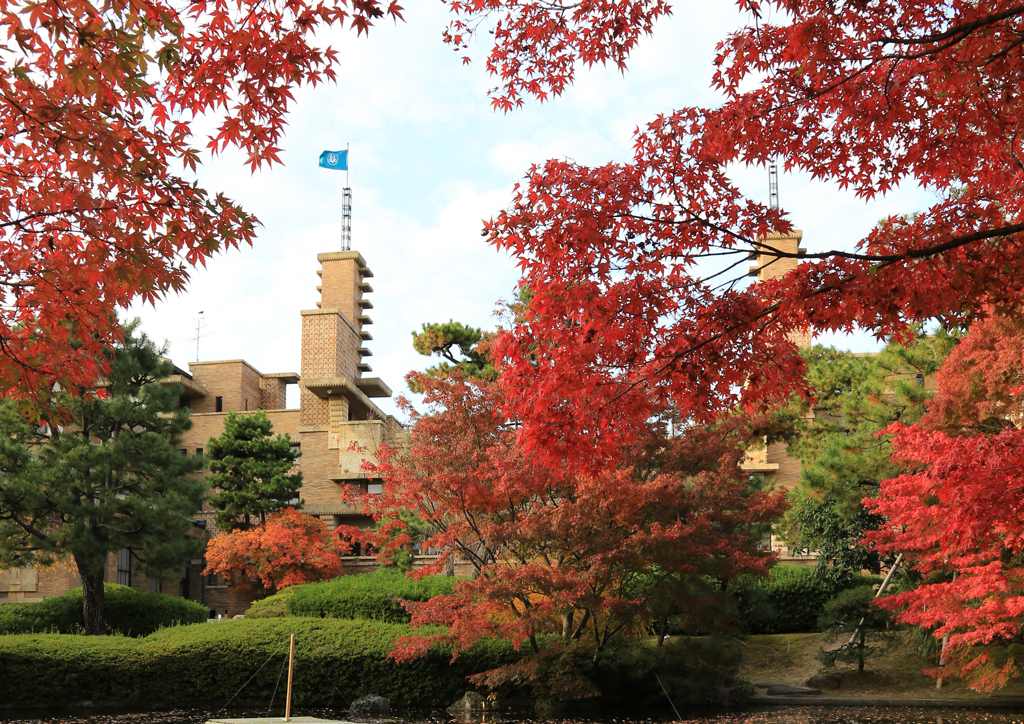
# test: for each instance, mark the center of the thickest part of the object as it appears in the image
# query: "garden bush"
(790, 600)
(127, 611)
(374, 597)
(274, 606)
(206, 664)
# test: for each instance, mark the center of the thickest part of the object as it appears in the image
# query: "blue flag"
(337, 160)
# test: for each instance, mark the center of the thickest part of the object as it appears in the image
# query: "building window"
(247, 404)
(154, 585)
(212, 579)
(920, 380)
(183, 451)
(124, 567)
(375, 488)
(199, 452)
(296, 448)
(219, 402)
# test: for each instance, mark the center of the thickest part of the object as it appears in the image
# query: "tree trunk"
(860, 652)
(662, 630)
(92, 598)
(567, 624)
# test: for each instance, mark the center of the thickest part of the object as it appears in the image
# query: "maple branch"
(959, 30)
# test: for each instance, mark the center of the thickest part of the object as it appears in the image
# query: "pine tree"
(843, 449)
(110, 476)
(251, 471)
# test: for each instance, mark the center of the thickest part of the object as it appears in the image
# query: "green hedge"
(205, 664)
(790, 600)
(127, 611)
(374, 597)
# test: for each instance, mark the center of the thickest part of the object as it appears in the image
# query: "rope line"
(247, 682)
(331, 681)
(281, 671)
(668, 697)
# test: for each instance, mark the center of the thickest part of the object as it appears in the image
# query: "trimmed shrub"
(336, 662)
(127, 611)
(374, 597)
(790, 600)
(274, 606)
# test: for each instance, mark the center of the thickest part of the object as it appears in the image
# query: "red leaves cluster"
(97, 106)
(957, 513)
(634, 268)
(585, 553)
(292, 548)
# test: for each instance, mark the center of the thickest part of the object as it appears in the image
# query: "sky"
(429, 161)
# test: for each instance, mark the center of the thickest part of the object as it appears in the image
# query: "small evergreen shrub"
(127, 612)
(374, 597)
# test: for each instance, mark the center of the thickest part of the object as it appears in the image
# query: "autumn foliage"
(291, 548)
(955, 513)
(635, 268)
(584, 554)
(98, 106)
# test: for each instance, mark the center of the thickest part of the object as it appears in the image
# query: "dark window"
(920, 380)
(183, 451)
(199, 452)
(212, 580)
(219, 402)
(246, 403)
(124, 567)
(154, 585)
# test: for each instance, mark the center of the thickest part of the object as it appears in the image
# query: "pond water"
(764, 715)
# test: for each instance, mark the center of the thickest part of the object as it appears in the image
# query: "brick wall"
(273, 393)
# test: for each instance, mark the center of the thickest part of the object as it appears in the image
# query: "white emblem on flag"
(332, 158)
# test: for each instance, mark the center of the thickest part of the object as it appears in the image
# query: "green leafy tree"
(843, 455)
(110, 476)
(252, 471)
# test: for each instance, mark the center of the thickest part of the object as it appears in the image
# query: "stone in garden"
(470, 703)
(824, 682)
(239, 617)
(371, 705)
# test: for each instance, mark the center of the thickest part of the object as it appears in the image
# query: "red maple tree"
(955, 514)
(291, 548)
(98, 104)
(624, 314)
(624, 317)
(585, 554)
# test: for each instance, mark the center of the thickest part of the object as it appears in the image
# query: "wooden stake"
(291, 668)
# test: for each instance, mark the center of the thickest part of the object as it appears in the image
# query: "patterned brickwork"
(339, 283)
(273, 393)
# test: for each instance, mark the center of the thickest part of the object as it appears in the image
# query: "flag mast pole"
(346, 209)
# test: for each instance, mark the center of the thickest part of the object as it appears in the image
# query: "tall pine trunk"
(92, 597)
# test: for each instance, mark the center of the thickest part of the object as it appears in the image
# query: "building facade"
(337, 427)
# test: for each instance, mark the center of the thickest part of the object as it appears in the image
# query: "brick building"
(336, 410)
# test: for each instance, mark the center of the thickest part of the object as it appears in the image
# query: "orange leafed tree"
(292, 548)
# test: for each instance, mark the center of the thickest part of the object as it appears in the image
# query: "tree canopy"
(111, 478)
(252, 471)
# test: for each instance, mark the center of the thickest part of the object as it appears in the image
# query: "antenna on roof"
(773, 185)
(200, 321)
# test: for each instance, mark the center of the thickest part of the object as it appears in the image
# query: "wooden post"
(291, 668)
